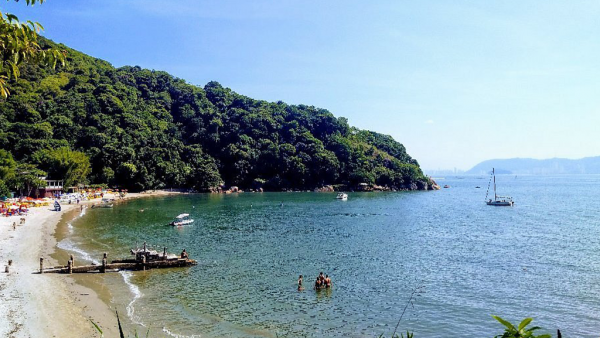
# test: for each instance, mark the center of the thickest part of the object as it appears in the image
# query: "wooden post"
(72, 261)
(144, 246)
(144, 262)
(104, 262)
(41, 265)
(165, 253)
(70, 267)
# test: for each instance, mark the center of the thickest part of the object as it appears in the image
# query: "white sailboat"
(498, 201)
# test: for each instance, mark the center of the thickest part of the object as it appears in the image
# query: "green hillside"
(144, 129)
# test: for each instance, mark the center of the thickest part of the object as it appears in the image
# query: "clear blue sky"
(457, 82)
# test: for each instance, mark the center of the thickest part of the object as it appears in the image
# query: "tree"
(71, 166)
(27, 177)
(4, 191)
(19, 44)
(203, 174)
(7, 165)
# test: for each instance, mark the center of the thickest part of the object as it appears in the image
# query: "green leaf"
(504, 322)
(524, 323)
(97, 328)
(11, 17)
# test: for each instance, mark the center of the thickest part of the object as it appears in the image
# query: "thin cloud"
(429, 122)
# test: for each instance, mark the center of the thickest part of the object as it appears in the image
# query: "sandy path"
(45, 305)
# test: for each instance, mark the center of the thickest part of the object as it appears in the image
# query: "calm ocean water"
(540, 258)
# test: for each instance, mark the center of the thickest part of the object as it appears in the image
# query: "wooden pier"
(144, 259)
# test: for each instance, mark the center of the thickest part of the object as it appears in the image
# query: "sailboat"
(498, 201)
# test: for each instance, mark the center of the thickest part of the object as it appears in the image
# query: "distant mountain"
(529, 166)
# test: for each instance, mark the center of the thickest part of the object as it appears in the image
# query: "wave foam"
(175, 335)
(68, 245)
(137, 294)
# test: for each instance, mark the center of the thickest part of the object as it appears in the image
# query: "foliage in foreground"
(521, 331)
(121, 333)
(19, 45)
(510, 331)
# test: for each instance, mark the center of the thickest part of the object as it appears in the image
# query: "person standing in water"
(300, 287)
(327, 282)
(318, 284)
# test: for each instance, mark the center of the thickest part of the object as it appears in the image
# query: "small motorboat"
(342, 196)
(182, 219)
(446, 186)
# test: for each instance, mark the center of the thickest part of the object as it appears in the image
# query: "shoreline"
(47, 305)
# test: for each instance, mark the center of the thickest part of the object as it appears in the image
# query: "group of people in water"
(322, 282)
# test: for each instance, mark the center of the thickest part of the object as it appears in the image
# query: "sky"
(457, 82)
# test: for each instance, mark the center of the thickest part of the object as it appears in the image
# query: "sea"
(435, 263)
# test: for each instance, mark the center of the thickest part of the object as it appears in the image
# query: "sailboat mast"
(494, 173)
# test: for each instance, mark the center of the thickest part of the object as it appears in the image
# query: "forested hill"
(144, 129)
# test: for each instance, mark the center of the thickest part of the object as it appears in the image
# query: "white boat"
(342, 196)
(182, 219)
(498, 201)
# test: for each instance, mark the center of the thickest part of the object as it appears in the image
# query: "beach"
(46, 305)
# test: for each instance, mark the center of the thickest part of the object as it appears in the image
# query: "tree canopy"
(144, 129)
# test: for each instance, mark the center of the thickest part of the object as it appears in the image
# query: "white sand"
(45, 305)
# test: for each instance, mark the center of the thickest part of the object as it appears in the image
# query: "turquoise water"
(539, 258)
